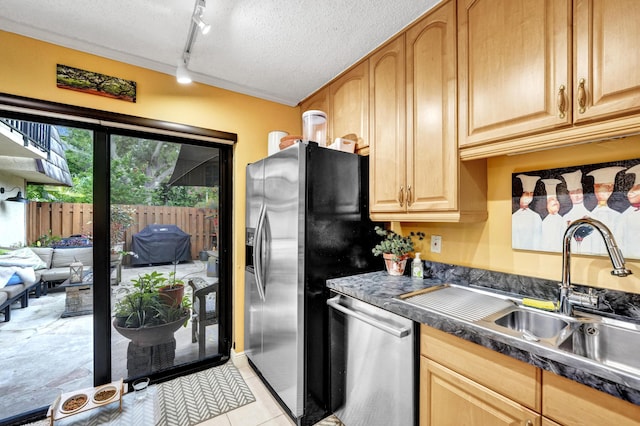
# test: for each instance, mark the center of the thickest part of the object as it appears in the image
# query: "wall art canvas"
(545, 202)
(95, 83)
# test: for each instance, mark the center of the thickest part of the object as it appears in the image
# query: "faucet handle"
(590, 299)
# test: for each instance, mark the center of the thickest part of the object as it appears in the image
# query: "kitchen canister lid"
(274, 141)
(314, 113)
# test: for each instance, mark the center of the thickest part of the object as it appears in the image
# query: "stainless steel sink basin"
(531, 324)
(535, 323)
(613, 345)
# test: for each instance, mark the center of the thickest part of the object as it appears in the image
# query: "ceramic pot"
(151, 336)
(395, 267)
(171, 296)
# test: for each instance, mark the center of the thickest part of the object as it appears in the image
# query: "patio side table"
(78, 296)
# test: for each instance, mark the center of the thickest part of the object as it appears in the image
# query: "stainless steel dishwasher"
(373, 364)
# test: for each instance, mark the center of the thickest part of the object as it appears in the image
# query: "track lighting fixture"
(197, 17)
(18, 198)
(182, 73)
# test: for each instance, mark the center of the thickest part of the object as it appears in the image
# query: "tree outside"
(140, 171)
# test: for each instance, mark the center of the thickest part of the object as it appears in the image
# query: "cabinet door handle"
(562, 102)
(582, 97)
(409, 196)
(401, 196)
(529, 423)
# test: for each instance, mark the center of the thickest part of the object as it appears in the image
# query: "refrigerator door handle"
(334, 303)
(257, 253)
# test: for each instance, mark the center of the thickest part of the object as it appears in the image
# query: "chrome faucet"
(567, 296)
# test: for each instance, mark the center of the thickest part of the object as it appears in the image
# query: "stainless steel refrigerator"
(307, 220)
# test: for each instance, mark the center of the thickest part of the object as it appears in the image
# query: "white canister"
(314, 126)
(274, 141)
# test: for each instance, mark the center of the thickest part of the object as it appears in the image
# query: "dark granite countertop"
(380, 289)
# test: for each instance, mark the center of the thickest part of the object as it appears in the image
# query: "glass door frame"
(103, 124)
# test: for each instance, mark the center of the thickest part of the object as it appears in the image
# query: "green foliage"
(46, 240)
(143, 307)
(140, 170)
(121, 219)
(394, 243)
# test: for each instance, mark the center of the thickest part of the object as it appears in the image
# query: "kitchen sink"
(533, 323)
(615, 345)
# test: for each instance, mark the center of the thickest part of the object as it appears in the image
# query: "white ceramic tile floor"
(263, 411)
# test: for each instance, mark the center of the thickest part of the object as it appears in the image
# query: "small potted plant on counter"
(395, 249)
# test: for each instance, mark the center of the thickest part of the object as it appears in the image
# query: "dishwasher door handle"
(334, 303)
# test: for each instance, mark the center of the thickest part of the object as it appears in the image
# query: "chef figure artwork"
(545, 202)
(526, 224)
(553, 225)
(630, 218)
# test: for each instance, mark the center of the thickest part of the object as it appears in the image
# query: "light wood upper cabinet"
(514, 65)
(416, 174)
(349, 105)
(319, 100)
(606, 58)
(536, 74)
(346, 102)
(387, 155)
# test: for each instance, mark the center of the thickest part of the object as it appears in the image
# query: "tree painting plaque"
(95, 83)
(545, 202)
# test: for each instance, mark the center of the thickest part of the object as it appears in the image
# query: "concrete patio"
(44, 355)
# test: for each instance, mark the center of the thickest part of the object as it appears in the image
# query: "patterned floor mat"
(185, 401)
(189, 400)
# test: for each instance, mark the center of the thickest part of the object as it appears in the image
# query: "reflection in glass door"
(164, 239)
(46, 333)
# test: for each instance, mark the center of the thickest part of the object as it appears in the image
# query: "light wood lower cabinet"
(462, 383)
(571, 403)
(452, 399)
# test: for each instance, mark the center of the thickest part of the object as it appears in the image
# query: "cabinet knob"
(582, 97)
(409, 196)
(529, 423)
(401, 196)
(562, 102)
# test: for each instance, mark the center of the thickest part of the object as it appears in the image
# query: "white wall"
(13, 216)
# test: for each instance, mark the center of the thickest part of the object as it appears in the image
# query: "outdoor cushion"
(13, 290)
(15, 279)
(63, 257)
(3, 297)
(44, 253)
(54, 274)
(24, 257)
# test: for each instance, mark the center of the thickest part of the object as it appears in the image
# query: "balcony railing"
(36, 134)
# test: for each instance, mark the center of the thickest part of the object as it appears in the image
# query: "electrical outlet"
(436, 244)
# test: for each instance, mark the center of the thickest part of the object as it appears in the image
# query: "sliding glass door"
(113, 224)
(164, 238)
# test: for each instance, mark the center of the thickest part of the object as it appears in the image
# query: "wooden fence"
(65, 219)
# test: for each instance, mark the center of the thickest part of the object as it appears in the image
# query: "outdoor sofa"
(57, 262)
(35, 269)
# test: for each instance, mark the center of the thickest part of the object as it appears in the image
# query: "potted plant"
(143, 314)
(395, 249)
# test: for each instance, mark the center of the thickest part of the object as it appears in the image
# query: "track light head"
(182, 73)
(204, 27)
(197, 17)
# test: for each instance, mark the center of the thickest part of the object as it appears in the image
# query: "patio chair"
(206, 305)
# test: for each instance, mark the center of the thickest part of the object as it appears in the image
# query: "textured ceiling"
(279, 50)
